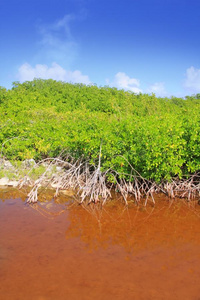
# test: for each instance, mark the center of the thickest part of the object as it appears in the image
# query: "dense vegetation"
(158, 137)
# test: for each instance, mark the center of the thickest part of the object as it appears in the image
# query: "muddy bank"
(13, 173)
(55, 250)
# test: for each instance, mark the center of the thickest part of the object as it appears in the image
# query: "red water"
(53, 250)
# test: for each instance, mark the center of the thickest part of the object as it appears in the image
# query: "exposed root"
(139, 188)
(95, 186)
(89, 182)
(92, 185)
(188, 188)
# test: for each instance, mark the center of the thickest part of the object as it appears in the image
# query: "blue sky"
(139, 45)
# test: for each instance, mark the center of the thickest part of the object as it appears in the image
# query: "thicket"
(159, 138)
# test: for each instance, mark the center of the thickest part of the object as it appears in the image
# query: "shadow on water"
(56, 249)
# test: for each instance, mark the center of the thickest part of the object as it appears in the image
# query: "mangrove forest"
(104, 139)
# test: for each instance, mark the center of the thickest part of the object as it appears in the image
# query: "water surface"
(55, 250)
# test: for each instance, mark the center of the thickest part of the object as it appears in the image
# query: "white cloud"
(57, 30)
(57, 42)
(27, 73)
(158, 88)
(64, 24)
(192, 81)
(123, 81)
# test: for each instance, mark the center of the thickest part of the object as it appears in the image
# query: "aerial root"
(92, 185)
(188, 188)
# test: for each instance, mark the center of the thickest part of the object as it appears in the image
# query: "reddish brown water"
(52, 251)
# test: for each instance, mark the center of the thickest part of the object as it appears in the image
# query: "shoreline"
(88, 183)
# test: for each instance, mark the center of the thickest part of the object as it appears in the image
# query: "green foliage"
(157, 137)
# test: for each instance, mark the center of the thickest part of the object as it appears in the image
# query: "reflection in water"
(134, 228)
(48, 209)
(57, 250)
